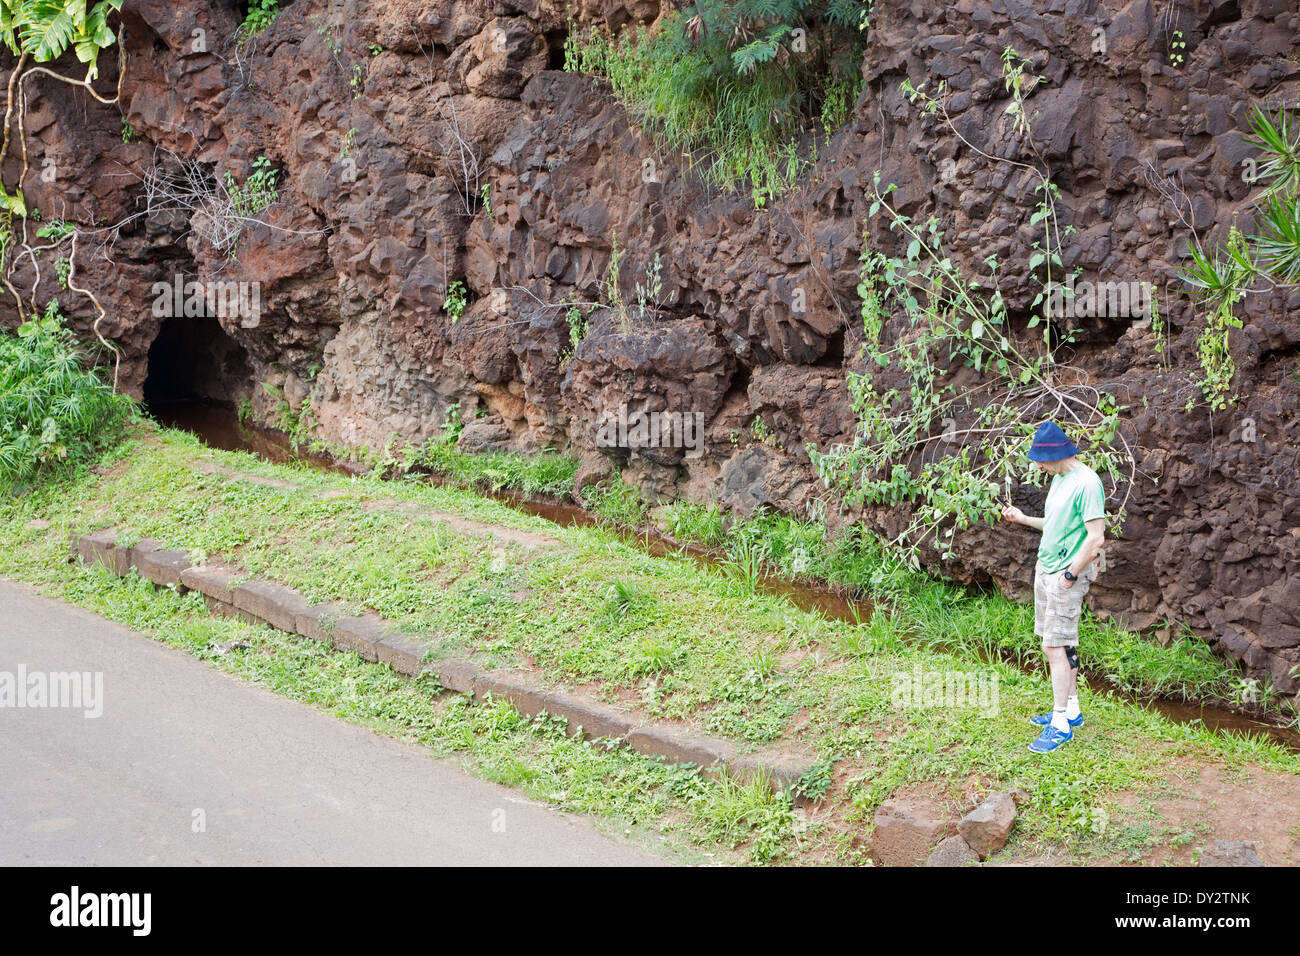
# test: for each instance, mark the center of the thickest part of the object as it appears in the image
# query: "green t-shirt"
(1072, 499)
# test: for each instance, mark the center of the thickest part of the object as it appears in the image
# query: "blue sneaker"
(1042, 720)
(1049, 740)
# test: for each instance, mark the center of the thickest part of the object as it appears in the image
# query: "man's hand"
(1015, 515)
(1065, 582)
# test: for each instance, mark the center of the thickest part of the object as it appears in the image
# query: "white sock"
(1072, 710)
(1060, 721)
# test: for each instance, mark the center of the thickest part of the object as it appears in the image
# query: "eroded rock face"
(387, 121)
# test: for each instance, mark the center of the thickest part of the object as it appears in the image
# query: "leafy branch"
(947, 455)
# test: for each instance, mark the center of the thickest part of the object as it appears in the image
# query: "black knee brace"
(1072, 655)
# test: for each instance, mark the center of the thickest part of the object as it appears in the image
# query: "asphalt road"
(188, 765)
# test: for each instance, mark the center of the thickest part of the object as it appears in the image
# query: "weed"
(456, 300)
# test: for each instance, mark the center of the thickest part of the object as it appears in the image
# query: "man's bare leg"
(1063, 684)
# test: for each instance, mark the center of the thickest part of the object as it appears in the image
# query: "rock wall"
(374, 112)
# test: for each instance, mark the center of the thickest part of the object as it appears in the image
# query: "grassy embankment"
(658, 635)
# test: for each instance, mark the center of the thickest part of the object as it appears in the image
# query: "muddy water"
(218, 426)
(808, 597)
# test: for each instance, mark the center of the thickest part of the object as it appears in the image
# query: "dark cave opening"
(194, 360)
(834, 354)
(555, 49)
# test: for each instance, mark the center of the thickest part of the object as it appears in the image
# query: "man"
(1073, 527)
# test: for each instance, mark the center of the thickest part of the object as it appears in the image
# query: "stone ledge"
(100, 548)
(273, 603)
(211, 580)
(163, 568)
(525, 698)
(456, 674)
(782, 770)
(318, 621)
(589, 718)
(361, 635)
(680, 747)
(265, 602)
(403, 653)
(223, 609)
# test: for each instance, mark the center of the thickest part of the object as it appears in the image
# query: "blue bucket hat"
(1051, 444)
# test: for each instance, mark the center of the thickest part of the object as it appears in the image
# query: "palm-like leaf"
(49, 26)
(1280, 144)
(95, 35)
(1279, 239)
(10, 17)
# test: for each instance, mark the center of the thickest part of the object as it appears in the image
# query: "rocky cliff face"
(385, 121)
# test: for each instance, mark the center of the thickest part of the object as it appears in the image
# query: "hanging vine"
(39, 32)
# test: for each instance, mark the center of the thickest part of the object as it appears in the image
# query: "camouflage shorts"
(1056, 610)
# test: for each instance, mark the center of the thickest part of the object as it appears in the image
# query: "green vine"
(38, 32)
(947, 456)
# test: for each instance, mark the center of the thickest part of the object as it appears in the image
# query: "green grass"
(663, 636)
(950, 617)
(687, 521)
(546, 474)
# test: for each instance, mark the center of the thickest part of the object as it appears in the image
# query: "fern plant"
(738, 81)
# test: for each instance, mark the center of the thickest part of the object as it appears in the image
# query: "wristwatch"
(1070, 575)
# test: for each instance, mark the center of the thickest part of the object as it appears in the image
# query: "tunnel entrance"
(194, 361)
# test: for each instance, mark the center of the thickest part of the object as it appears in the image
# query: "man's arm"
(1012, 513)
(1091, 545)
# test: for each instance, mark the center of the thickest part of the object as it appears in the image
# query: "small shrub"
(255, 193)
(456, 300)
(53, 411)
(261, 14)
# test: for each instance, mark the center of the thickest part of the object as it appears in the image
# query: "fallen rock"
(484, 436)
(1232, 853)
(954, 851)
(906, 829)
(593, 469)
(987, 827)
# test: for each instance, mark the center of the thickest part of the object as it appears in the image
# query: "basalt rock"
(906, 830)
(987, 827)
(420, 145)
(1232, 853)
